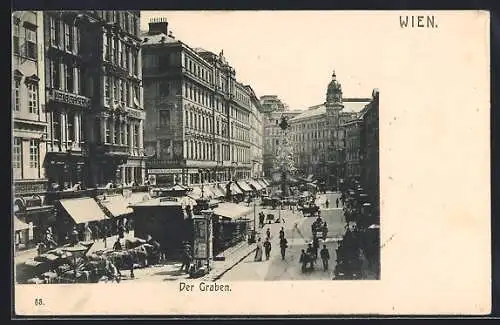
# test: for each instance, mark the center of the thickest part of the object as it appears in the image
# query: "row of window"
(24, 40)
(239, 133)
(196, 69)
(158, 63)
(31, 88)
(17, 153)
(69, 126)
(64, 75)
(127, 21)
(239, 115)
(64, 35)
(117, 132)
(242, 97)
(117, 90)
(303, 126)
(120, 53)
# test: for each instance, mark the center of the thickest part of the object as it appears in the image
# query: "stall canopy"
(117, 205)
(232, 210)
(244, 186)
(83, 210)
(137, 197)
(255, 184)
(217, 191)
(235, 189)
(197, 192)
(262, 183)
(19, 225)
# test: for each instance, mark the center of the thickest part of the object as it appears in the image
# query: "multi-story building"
(319, 135)
(198, 126)
(94, 96)
(370, 174)
(271, 103)
(29, 124)
(272, 136)
(256, 135)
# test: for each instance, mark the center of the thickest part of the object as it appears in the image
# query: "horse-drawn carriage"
(271, 201)
(309, 210)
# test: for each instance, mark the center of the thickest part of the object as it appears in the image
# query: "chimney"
(158, 25)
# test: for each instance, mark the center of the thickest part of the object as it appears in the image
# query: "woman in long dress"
(258, 251)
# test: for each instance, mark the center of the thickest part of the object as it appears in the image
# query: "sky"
(288, 53)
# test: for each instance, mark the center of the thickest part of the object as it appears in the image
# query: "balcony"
(112, 150)
(68, 98)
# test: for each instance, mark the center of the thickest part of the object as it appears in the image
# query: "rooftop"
(156, 38)
(351, 105)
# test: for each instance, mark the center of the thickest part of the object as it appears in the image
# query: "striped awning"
(244, 186)
(255, 184)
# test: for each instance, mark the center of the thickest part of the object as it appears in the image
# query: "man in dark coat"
(267, 248)
(325, 256)
(283, 246)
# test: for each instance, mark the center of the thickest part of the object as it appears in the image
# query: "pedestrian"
(283, 246)
(267, 248)
(325, 256)
(337, 202)
(327, 203)
(74, 236)
(282, 233)
(88, 232)
(261, 219)
(303, 261)
(325, 230)
(121, 230)
(268, 234)
(258, 251)
(117, 245)
(186, 257)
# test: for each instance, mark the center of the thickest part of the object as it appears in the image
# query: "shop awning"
(266, 181)
(218, 192)
(255, 184)
(137, 197)
(232, 210)
(244, 186)
(83, 210)
(20, 225)
(117, 205)
(262, 183)
(235, 189)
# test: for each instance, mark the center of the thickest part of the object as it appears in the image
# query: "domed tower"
(334, 100)
(333, 108)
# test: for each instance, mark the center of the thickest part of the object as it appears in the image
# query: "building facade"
(256, 135)
(29, 125)
(327, 136)
(94, 98)
(271, 103)
(199, 116)
(370, 173)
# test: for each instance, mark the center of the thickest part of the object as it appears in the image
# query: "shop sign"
(68, 98)
(164, 171)
(135, 113)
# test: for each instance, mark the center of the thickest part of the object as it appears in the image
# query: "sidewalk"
(232, 256)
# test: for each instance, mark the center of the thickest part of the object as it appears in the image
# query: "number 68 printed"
(38, 302)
